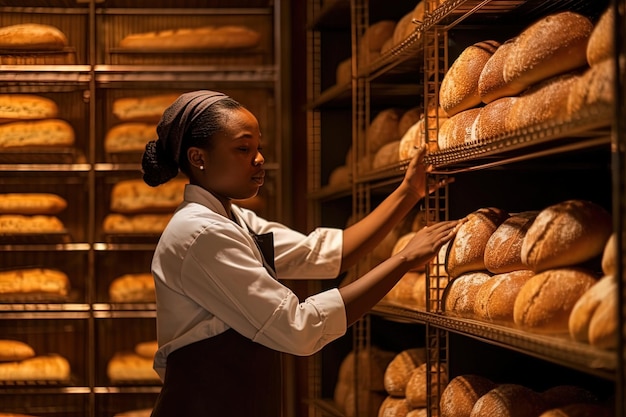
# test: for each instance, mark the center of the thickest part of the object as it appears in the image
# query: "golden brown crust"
(600, 45)
(603, 327)
(399, 370)
(460, 395)
(15, 350)
(15, 107)
(457, 130)
(38, 368)
(587, 304)
(383, 129)
(130, 288)
(134, 196)
(416, 387)
(147, 349)
(129, 137)
(491, 84)
(31, 203)
(33, 282)
(460, 295)
(126, 366)
(509, 400)
(32, 37)
(503, 251)
(609, 256)
(147, 109)
(39, 133)
(135, 224)
(496, 296)
(491, 120)
(39, 224)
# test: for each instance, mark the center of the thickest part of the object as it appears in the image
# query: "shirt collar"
(197, 194)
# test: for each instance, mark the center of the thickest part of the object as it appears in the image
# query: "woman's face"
(234, 164)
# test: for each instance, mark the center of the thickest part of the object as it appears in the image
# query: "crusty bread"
(39, 133)
(545, 301)
(600, 45)
(415, 136)
(36, 224)
(127, 366)
(147, 109)
(139, 223)
(131, 288)
(460, 395)
(38, 283)
(609, 255)
(26, 107)
(32, 37)
(565, 234)
(560, 395)
(394, 407)
(459, 87)
(407, 290)
(134, 196)
(388, 154)
(509, 400)
(399, 370)
(491, 85)
(579, 410)
(147, 349)
(31, 203)
(467, 250)
(585, 307)
(15, 350)
(417, 385)
(594, 91)
(50, 367)
(457, 130)
(459, 296)
(495, 298)
(603, 327)
(200, 38)
(129, 137)
(491, 120)
(553, 45)
(503, 251)
(383, 129)
(408, 119)
(373, 40)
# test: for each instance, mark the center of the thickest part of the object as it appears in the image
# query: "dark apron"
(227, 375)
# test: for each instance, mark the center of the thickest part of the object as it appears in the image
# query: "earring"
(201, 167)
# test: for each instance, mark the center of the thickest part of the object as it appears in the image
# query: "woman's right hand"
(428, 241)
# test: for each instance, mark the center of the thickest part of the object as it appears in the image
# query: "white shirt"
(209, 277)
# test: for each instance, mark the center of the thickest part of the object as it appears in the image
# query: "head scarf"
(179, 115)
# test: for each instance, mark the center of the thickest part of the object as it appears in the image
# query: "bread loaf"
(460, 395)
(603, 327)
(593, 92)
(51, 367)
(407, 290)
(200, 38)
(416, 388)
(457, 130)
(127, 366)
(491, 120)
(136, 224)
(133, 196)
(399, 370)
(343, 74)
(467, 250)
(40, 133)
(561, 395)
(609, 256)
(31, 203)
(459, 296)
(129, 137)
(132, 288)
(394, 407)
(509, 400)
(373, 40)
(503, 251)
(600, 46)
(388, 154)
(553, 45)
(33, 283)
(15, 107)
(491, 84)
(32, 37)
(383, 129)
(15, 224)
(579, 410)
(147, 349)
(459, 87)
(418, 412)
(544, 303)
(147, 109)
(15, 350)
(565, 234)
(585, 307)
(415, 136)
(496, 296)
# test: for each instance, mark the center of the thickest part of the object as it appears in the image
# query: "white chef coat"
(209, 277)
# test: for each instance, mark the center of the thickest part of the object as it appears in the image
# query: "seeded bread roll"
(129, 137)
(40, 224)
(130, 288)
(15, 350)
(200, 38)
(459, 87)
(600, 46)
(545, 302)
(587, 304)
(399, 370)
(32, 37)
(459, 297)
(33, 283)
(553, 45)
(460, 395)
(491, 120)
(609, 255)
(496, 296)
(133, 196)
(39, 133)
(50, 367)
(491, 85)
(503, 251)
(565, 234)
(31, 203)
(146, 109)
(15, 107)
(509, 400)
(466, 252)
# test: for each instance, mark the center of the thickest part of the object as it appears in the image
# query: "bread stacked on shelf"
(33, 284)
(132, 288)
(31, 214)
(130, 137)
(34, 43)
(405, 27)
(133, 366)
(148, 109)
(19, 362)
(373, 39)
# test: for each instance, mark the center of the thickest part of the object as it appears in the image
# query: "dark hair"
(159, 166)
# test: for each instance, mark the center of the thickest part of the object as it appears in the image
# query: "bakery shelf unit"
(85, 325)
(529, 168)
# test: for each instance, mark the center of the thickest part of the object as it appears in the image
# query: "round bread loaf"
(394, 407)
(373, 40)
(459, 296)
(603, 327)
(566, 234)
(416, 388)
(503, 251)
(491, 85)
(546, 300)
(460, 395)
(404, 290)
(491, 120)
(408, 119)
(600, 45)
(388, 154)
(553, 45)
(609, 255)
(457, 130)
(585, 307)
(561, 395)
(496, 296)
(509, 400)
(400, 368)
(383, 129)
(579, 410)
(340, 175)
(466, 252)
(408, 143)
(459, 87)
(32, 37)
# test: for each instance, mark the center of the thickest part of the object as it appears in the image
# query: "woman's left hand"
(415, 175)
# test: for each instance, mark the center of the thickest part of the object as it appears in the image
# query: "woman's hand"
(427, 242)
(415, 175)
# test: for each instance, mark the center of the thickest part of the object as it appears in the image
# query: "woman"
(222, 315)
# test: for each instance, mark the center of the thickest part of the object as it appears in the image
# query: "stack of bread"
(495, 88)
(132, 288)
(33, 284)
(19, 362)
(405, 27)
(528, 269)
(138, 208)
(31, 213)
(135, 365)
(34, 43)
(129, 137)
